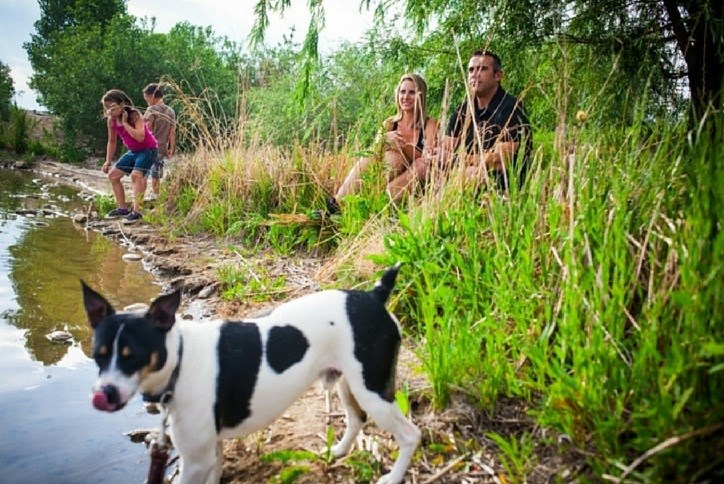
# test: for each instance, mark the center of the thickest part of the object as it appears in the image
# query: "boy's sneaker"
(133, 217)
(118, 212)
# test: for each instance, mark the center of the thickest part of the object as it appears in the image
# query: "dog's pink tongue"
(100, 402)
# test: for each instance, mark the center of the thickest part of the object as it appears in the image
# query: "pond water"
(49, 432)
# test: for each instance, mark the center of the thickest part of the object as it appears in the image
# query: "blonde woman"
(408, 139)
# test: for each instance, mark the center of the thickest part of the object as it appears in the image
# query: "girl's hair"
(421, 100)
(119, 97)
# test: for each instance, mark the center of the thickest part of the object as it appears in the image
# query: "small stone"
(136, 307)
(207, 291)
(60, 337)
(131, 257)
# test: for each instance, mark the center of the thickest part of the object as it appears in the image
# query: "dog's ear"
(163, 310)
(96, 306)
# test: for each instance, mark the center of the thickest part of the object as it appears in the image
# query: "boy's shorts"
(157, 169)
(137, 160)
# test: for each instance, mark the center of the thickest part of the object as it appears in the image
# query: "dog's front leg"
(201, 455)
(202, 468)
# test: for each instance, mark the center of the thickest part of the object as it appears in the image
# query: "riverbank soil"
(454, 445)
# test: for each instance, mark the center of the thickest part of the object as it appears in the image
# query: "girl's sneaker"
(118, 212)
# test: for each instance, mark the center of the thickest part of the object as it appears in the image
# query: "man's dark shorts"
(142, 161)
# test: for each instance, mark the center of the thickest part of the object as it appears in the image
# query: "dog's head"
(128, 347)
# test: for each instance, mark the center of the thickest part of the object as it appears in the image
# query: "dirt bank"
(454, 447)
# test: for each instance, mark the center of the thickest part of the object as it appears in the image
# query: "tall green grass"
(596, 294)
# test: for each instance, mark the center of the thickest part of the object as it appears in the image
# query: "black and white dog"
(230, 378)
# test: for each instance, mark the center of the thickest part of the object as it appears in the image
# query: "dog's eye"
(101, 353)
(126, 352)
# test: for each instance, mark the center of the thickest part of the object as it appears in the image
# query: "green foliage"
(328, 456)
(69, 152)
(20, 125)
(290, 472)
(363, 465)
(516, 454)
(402, 397)
(247, 283)
(104, 204)
(57, 16)
(349, 95)
(594, 294)
(15, 133)
(286, 456)
(7, 91)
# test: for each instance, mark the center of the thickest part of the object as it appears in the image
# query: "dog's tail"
(384, 286)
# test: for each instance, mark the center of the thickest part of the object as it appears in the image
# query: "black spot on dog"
(240, 353)
(286, 346)
(376, 342)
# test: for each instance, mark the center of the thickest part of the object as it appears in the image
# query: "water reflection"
(50, 431)
(45, 265)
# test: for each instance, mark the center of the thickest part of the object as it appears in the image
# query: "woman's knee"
(115, 174)
(395, 160)
(420, 168)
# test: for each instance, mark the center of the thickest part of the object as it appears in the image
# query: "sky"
(230, 18)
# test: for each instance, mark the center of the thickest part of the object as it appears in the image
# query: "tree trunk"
(699, 41)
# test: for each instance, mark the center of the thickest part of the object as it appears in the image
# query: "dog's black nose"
(114, 398)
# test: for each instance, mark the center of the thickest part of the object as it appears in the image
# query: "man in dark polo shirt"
(494, 131)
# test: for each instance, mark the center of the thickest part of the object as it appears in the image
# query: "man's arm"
(171, 140)
(150, 119)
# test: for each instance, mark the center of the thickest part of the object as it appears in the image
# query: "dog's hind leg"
(354, 418)
(388, 417)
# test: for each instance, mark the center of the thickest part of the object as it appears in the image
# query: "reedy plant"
(595, 294)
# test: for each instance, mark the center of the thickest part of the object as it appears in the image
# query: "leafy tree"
(649, 43)
(7, 91)
(202, 66)
(59, 16)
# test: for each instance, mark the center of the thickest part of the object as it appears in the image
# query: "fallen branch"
(444, 470)
(670, 442)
